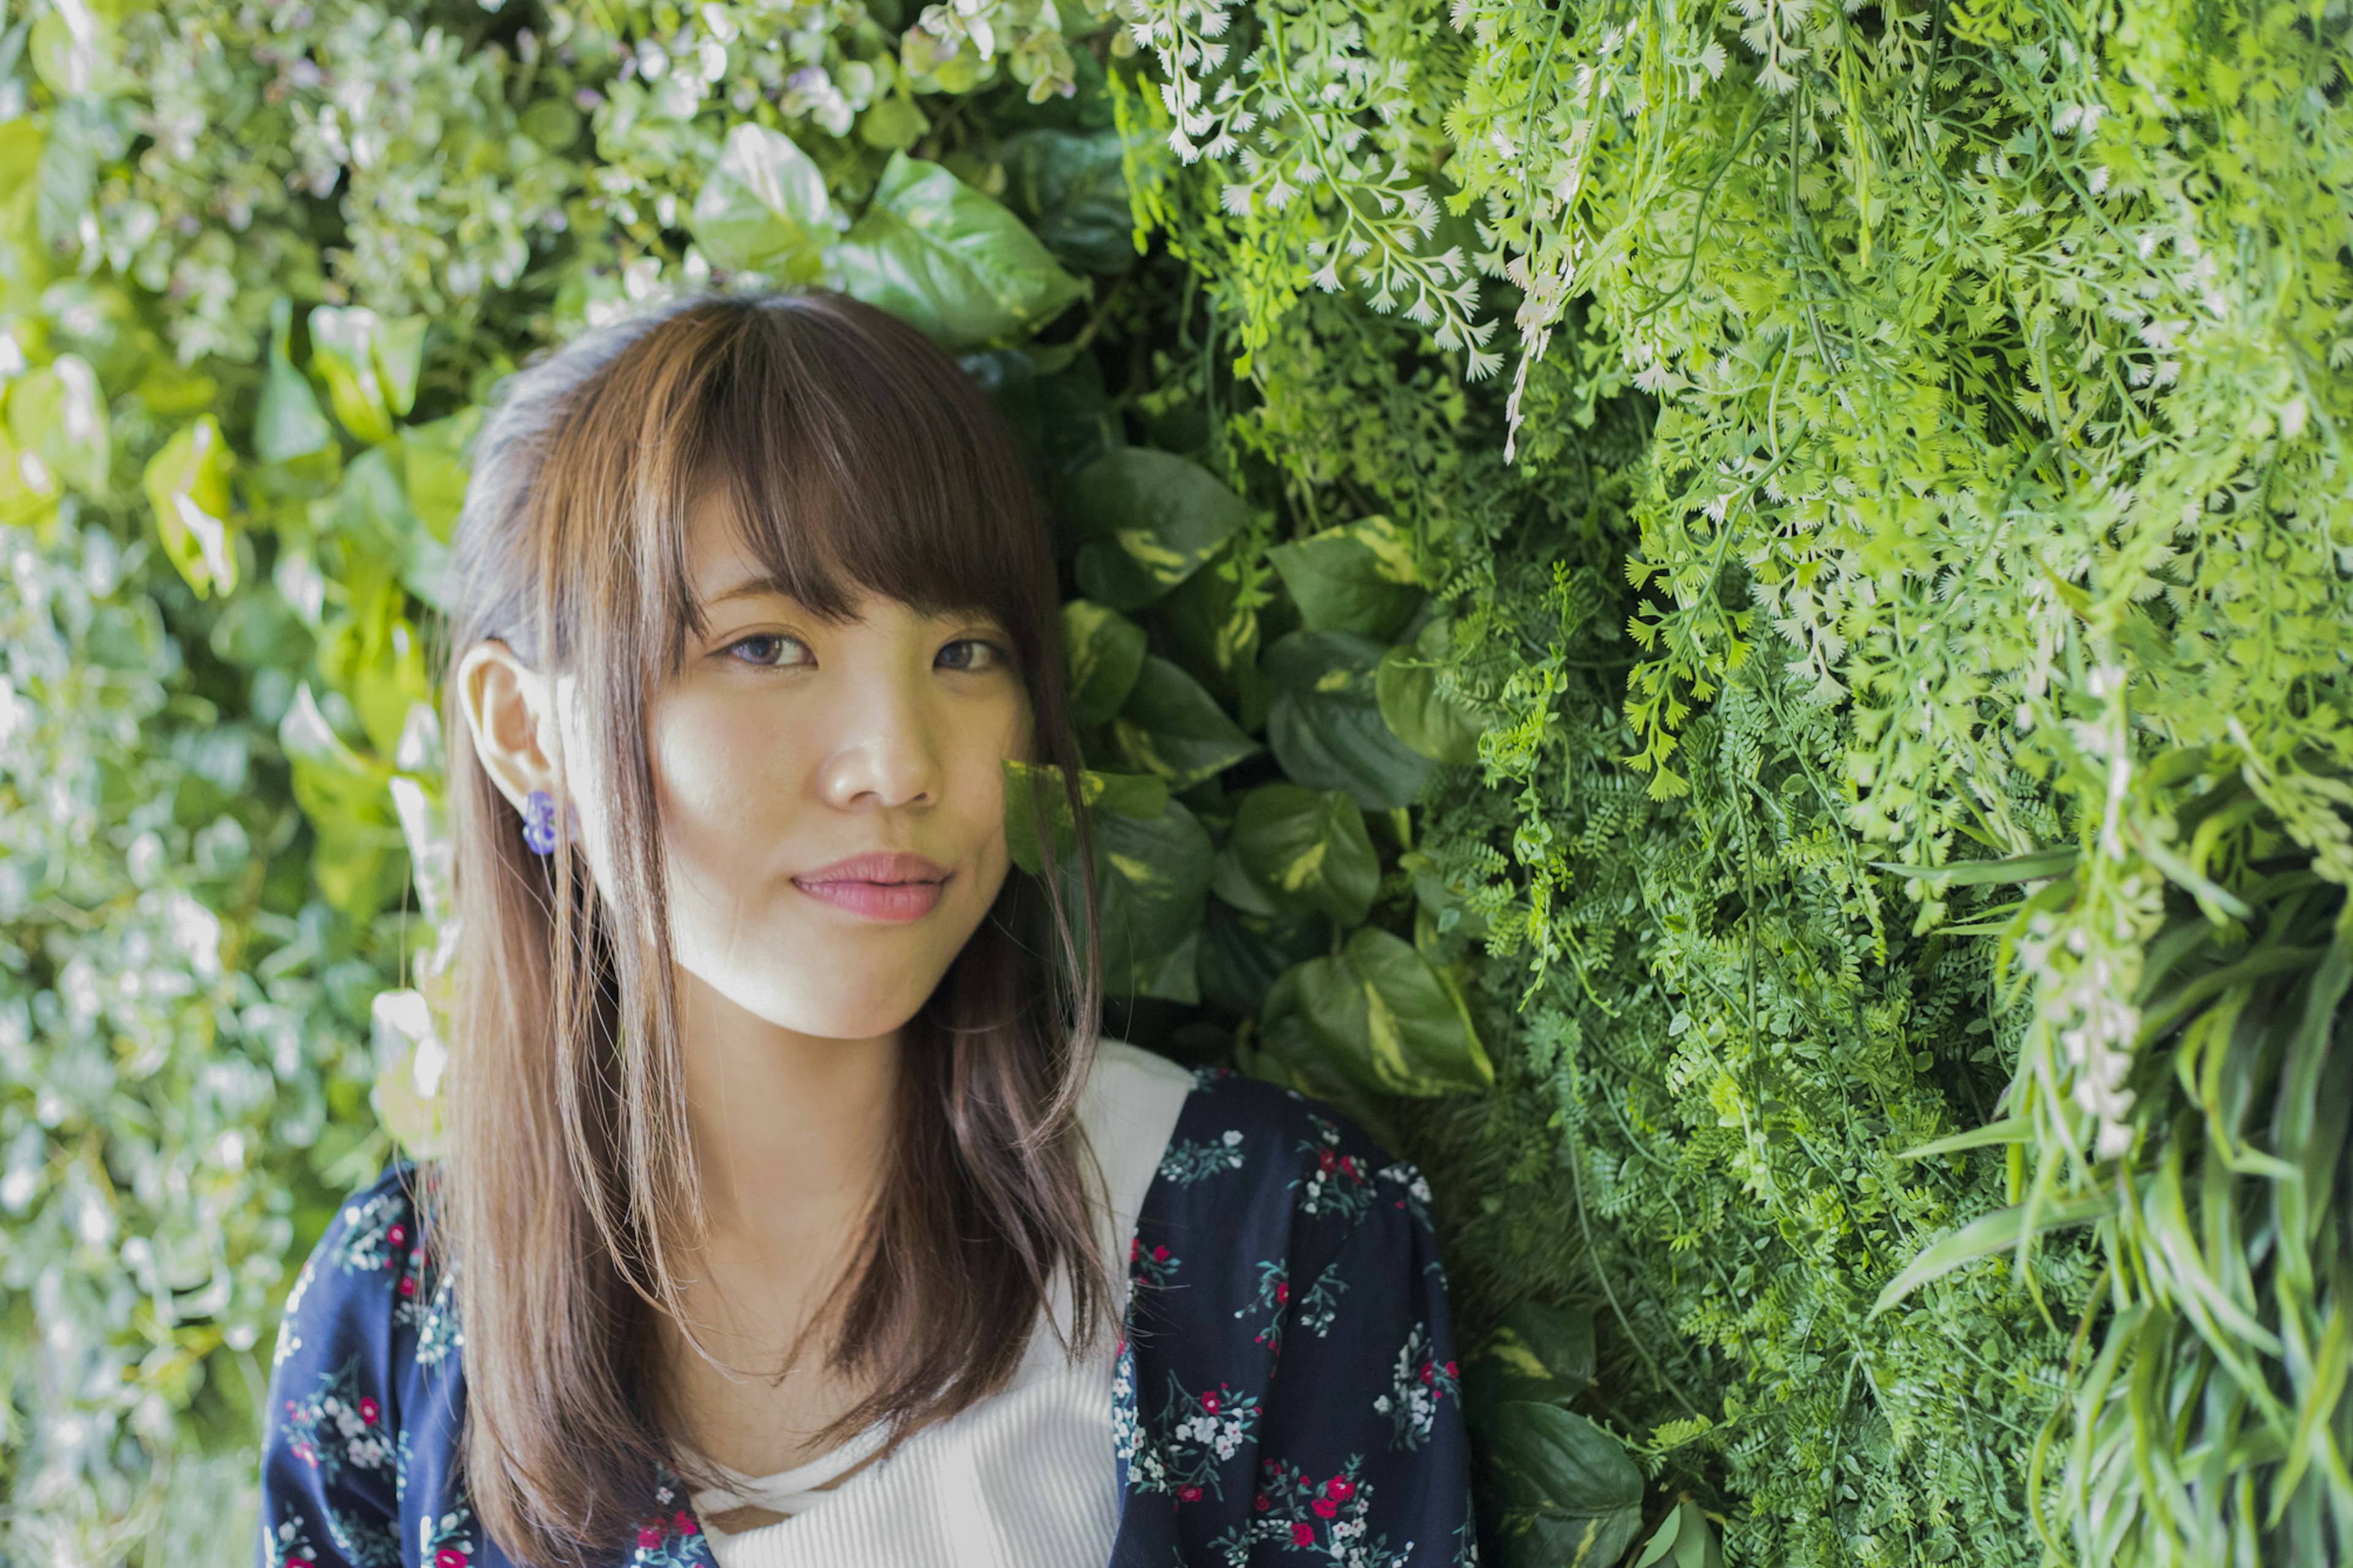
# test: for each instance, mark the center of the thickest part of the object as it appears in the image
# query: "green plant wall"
(1727, 624)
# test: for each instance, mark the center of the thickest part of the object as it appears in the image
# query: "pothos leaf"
(764, 208)
(1382, 1016)
(1306, 851)
(1406, 689)
(57, 415)
(1150, 519)
(288, 429)
(1359, 577)
(1103, 654)
(1152, 878)
(1572, 1495)
(935, 251)
(1171, 727)
(188, 485)
(1030, 784)
(1326, 726)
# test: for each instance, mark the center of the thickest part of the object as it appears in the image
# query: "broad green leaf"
(1572, 1497)
(288, 427)
(935, 251)
(1324, 724)
(764, 208)
(186, 483)
(1149, 519)
(361, 860)
(1287, 1052)
(435, 465)
(1213, 631)
(1383, 1016)
(1152, 878)
(1406, 688)
(1307, 851)
(1538, 1353)
(1171, 727)
(370, 366)
(1122, 794)
(1103, 654)
(1686, 1536)
(1244, 954)
(1359, 577)
(1074, 191)
(1999, 1231)
(58, 418)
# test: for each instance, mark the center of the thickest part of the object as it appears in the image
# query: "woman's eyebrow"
(751, 588)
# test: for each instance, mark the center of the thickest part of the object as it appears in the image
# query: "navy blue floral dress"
(1285, 1389)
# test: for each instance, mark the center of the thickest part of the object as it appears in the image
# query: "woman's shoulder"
(1246, 1146)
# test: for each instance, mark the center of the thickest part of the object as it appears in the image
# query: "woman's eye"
(972, 654)
(766, 648)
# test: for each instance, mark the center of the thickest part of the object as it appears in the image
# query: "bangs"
(854, 454)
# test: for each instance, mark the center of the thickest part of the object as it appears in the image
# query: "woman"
(793, 1212)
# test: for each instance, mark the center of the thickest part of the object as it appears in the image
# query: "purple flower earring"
(538, 822)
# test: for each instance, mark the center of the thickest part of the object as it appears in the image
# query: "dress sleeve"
(1363, 1457)
(331, 1454)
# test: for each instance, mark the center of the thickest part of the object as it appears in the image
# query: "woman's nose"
(886, 754)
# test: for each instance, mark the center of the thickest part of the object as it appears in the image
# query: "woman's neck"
(792, 1134)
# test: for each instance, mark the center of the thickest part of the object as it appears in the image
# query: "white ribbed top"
(1026, 1477)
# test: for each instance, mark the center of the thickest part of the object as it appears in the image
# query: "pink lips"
(878, 887)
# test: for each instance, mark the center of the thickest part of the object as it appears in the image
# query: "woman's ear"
(510, 710)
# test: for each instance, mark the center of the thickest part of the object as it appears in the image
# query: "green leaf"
(1244, 954)
(186, 483)
(1072, 189)
(1103, 654)
(764, 208)
(1383, 1016)
(1999, 1231)
(436, 468)
(1306, 851)
(57, 415)
(1150, 519)
(1214, 636)
(370, 366)
(936, 252)
(1684, 1534)
(1171, 727)
(288, 427)
(1324, 724)
(1359, 577)
(1406, 688)
(2009, 1130)
(1152, 878)
(1122, 794)
(1572, 1497)
(361, 860)
(2028, 867)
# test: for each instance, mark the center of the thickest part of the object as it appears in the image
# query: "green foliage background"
(1728, 622)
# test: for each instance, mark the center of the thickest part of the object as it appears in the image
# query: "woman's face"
(831, 795)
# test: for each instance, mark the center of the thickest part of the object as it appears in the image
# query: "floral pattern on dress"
(670, 1539)
(448, 1540)
(1337, 1183)
(1156, 1267)
(1183, 1450)
(1299, 1258)
(1187, 1161)
(1329, 1519)
(1418, 1385)
(337, 1425)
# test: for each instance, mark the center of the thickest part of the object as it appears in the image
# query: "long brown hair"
(855, 451)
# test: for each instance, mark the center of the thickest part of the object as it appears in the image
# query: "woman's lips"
(884, 887)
